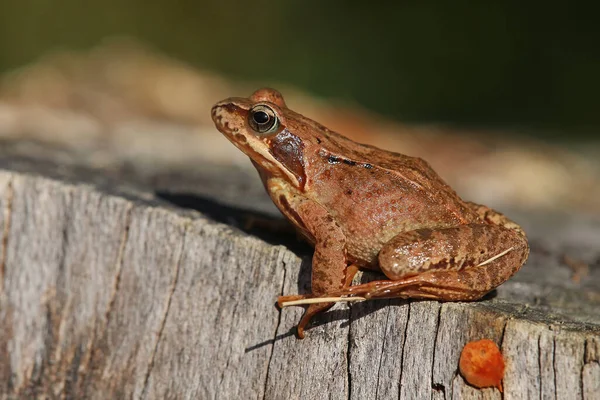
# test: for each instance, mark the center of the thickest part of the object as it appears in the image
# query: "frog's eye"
(263, 119)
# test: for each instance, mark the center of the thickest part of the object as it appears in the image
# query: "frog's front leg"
(452, 264)
(330, 270)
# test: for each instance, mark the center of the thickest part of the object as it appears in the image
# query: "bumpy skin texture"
(364, 207)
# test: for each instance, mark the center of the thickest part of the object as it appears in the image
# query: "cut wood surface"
(110, 290)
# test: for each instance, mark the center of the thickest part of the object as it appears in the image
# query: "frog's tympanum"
(363, 207)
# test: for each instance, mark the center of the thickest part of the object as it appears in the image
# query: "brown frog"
(363, 207)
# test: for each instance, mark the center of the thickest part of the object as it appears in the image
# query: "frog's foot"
(310, 312)
(315, 306)
(318, 303)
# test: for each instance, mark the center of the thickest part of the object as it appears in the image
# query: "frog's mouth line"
(263, 158)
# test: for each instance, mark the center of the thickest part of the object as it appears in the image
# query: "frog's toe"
(300, 332)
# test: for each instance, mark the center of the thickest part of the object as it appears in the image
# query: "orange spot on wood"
(481, 364)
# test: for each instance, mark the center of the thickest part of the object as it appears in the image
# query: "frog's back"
(375, 194)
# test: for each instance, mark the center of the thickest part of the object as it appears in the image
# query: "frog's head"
(259, 126)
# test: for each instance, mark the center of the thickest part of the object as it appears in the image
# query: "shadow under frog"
(281, 235)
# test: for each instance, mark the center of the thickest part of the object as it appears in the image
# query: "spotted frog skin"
(364, 207)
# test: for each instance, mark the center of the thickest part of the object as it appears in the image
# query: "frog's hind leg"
(317, 307)
(349, 276)
(453, 264)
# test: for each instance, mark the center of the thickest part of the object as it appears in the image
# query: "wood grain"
(113, 295)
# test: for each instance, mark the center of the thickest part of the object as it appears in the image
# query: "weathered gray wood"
(217, 313)
(112, 296)
(376, 365)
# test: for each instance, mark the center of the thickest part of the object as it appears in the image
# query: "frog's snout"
(220, 113)
(229, 109)
(217, 112)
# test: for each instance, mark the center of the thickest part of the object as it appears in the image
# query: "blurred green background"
(532, 66)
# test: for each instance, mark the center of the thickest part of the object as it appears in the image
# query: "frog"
(366, 208)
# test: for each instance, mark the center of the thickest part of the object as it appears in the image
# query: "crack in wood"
(223, 344)
(581, 372)
(6, 370)
(163, 322)
(539, 342)
(583, 367)
(348, 351)
(6, 230)
(503, 332)
(501, 346)
(554, 361)
(61, 276)
(119, 267)
(270, 359)
(224, 339)
(387, 319)
(409, 305)
(434, 385)
(44, 373)
(101, 330)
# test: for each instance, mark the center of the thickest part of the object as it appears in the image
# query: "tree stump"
(114, 287)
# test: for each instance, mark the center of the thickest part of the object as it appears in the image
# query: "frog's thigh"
(460, 258)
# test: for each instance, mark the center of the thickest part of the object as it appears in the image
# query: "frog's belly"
(363, 253)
